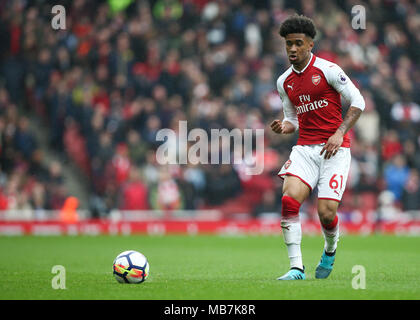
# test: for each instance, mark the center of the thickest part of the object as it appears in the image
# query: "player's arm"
(335, 141)
(290, 121)
(350, 119)
(339, 80)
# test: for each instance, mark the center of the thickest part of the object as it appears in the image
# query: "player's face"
(298, 48)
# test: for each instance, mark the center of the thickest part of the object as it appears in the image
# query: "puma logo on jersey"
(290, 86)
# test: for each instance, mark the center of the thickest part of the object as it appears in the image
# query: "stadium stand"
(118, 73)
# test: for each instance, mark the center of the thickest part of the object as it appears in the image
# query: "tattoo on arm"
(350, 119)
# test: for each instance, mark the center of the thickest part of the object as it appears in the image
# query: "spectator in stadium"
(137, 149)
(134, 194)
(24, 138)
(396, 174)
(411, 192)
(166, 194)
(391, 145)
(412, 153)
(268, 205)
(368, 126)
(222, 183)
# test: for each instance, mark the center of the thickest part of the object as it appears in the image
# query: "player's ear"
(310, 43)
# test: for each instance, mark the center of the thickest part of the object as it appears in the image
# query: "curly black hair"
(298, 24)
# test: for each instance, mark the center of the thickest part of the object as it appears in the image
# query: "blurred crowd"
(123, 70)
(27, 182)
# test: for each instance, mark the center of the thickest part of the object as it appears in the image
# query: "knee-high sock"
(292, 231)
(331, 235)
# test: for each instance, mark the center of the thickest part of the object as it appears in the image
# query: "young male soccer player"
(310, 90)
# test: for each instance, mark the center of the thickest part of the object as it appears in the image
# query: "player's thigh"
(333, 176)
(300, 172)
(295, 188)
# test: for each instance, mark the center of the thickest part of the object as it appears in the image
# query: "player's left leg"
(327, 211)
(331, 186)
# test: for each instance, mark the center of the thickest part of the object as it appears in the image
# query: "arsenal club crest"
(316, 79)
(287, 164)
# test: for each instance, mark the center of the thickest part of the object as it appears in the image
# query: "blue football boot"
(325, 265)
(294, 274)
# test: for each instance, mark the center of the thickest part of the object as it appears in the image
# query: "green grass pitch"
(207, 267)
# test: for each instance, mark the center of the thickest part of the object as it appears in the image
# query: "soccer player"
(311, 91)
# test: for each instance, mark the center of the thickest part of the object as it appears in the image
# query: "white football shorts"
(329, 175)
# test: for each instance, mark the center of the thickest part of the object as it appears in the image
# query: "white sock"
(292, 234)
(331, 237)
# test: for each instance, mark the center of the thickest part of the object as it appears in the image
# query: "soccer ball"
(130, 267)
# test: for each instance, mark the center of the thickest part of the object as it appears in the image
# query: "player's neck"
(302, 65)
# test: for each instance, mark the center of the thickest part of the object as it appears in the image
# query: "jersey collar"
(307, 65)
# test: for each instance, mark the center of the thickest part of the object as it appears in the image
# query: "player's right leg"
(294, 193)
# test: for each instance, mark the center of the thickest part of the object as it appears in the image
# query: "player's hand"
(284, 127)
(333, 145)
